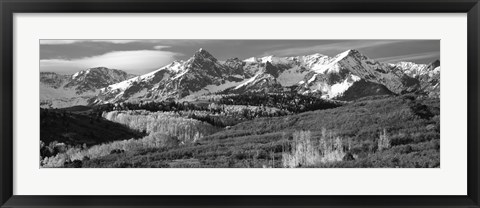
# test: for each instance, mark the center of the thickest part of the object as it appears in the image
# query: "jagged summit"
(342, 76)
(98, 68)
(67, 90)
(315, 55)
(203, 54)
(351, 53)
(435, 63)
(251, 59)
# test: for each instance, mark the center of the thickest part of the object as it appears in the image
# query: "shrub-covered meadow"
(383, 131)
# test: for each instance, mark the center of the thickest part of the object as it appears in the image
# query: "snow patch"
(339, 88)
(251, 59)
(75, 75)
(312, 79)
(179, 74)
(121, 85)
(355, 78)
(246, 82)
(273, 59)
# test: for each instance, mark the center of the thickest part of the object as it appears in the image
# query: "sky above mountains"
(143, 56)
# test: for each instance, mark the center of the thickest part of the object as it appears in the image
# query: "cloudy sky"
(142, 56)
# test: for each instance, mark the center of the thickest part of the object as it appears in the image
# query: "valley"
(312, 111)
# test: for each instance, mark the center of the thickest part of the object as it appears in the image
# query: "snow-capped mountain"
(198, 75)
(346, 76)
(329, 77)
(427, 74)
(351, 73)
(203, 74)
(417, 70)
(67, 90)
(95, 78)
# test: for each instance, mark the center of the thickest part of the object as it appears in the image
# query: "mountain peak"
(267, 58)
(435, 64)
(352, 52)
(97, 68)
(251, 59)
(202, 51)
(349, 53)
(203, 54)
(315, 55)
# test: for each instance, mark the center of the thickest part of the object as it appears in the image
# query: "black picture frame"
(10, 7)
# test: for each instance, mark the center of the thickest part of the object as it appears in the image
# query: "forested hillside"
(375, 132)
(297, 111)
(77, 129)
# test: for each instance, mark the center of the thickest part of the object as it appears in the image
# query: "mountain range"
(60, 91)
(346, 76)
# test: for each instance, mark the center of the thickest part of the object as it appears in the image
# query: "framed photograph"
(271, 103)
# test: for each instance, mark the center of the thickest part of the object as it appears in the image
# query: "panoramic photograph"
(234, 103)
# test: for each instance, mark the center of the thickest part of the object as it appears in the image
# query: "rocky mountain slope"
(346, 76)
(59, 91)
(427, 74)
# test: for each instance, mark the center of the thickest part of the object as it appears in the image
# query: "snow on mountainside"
(417, 70)
(95, 78)
(337, 75)
(427, 74)
(346, 76)
(201, 73)
(410, 68)
(58, 91)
